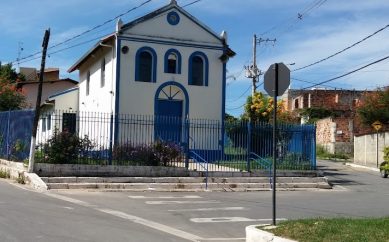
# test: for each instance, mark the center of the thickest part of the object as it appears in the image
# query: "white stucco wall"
(100, 99)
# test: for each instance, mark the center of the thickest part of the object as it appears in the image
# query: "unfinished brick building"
(336, 132)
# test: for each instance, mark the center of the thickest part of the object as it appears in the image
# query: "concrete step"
(232, 180)
(187, 186)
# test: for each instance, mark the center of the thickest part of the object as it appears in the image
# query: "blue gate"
(168, 125)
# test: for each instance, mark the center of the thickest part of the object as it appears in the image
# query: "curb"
(256, 235)
(35, 181)
(362, 167)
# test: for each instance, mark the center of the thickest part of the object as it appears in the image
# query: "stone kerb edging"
(256, 235)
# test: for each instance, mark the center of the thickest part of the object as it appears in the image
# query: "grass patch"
(5, 174)
(337, 229)
(322, 153)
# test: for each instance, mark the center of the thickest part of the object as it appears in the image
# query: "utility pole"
(38, 102)
(252, 71)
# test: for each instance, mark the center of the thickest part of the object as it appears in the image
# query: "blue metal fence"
(197, 144)
(15, 134)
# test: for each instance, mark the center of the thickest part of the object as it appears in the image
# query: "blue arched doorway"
(171, 106)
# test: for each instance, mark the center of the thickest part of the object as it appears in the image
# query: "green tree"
(230, 118)
(11, 97)
(375, 107)
(260, 108)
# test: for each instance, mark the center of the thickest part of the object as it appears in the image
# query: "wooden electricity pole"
(38, 102)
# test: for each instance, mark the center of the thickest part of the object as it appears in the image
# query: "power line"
(305, 11)
(348, 73)
(66, 48)
(347, 48)
(86, 32)
(241, 95)
(297, 79)
(241, 106)
(196, 1)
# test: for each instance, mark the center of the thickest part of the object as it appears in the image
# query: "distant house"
(52, 84)
(166, 63)
(336, 132)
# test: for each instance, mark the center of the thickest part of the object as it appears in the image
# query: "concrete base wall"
(365, 148)
(339, 147)
(63, 170)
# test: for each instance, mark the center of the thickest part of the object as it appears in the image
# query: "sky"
(306, 31)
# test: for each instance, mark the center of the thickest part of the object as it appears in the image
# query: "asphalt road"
(206, 216)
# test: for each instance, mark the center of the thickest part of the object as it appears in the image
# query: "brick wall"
(323, 131)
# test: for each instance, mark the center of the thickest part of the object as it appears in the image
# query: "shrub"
(386, 154)
(167, 151)
(4, 174)
(159, 153)
(65, 147)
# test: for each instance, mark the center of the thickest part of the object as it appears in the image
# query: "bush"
(65, 147)
(4, 174)
(159, 153)
(167, 151)
(386, 154)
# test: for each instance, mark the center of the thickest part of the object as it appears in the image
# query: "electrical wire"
(241, 106)
(299, 80)
(66, 48)
(305, 11)
(236, 99)
(85, 32)
(191, 3)
(348, 73)
(345, 49)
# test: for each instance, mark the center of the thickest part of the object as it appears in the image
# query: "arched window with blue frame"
(146, 65)
(198, 69)
(173, 61)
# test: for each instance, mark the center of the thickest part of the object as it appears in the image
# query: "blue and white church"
(166, 63)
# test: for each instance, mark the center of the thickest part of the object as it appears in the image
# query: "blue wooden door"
(168, 123)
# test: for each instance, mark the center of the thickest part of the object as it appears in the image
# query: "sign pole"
(377, 125)
(275, 142)
(377, 149)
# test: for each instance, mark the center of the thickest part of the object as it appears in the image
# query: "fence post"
(186, 148)
(110, 140)
(248, 145)
(314, 148)
(8, 135)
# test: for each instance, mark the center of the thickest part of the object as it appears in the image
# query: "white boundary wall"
(365, 148)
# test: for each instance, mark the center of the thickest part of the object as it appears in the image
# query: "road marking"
(179, 202)
(152, 224)
(165, 197)
(208, 209)
(68, 199)
(230, 219)
(223, 239)
(70, 208)
(139, 220)
(339, 188)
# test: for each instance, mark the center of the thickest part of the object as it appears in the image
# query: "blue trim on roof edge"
(172, 43)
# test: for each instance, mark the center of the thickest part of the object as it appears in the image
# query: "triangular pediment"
(174, 23)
